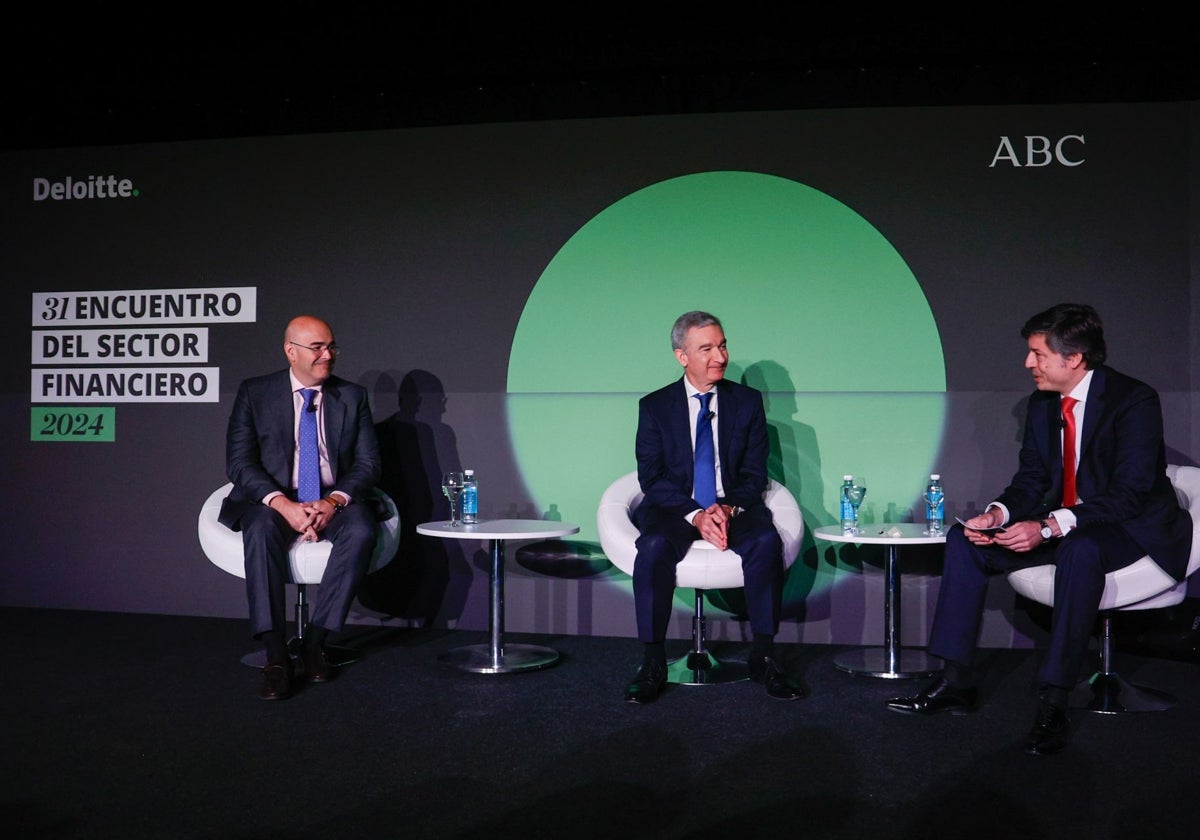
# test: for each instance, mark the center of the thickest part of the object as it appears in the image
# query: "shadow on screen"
(429, 577)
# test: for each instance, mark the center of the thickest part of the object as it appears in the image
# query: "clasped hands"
(713, 524)
(308, 519)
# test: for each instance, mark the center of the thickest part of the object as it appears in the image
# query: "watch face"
(1047, 533)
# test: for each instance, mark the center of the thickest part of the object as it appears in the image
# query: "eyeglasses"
(318, 349)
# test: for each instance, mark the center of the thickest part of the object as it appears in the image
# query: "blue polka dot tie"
(705, 479)
(309, 482)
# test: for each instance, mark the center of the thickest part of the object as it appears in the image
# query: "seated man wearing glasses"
(301, 451)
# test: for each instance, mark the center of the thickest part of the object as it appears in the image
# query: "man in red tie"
(1090, 495)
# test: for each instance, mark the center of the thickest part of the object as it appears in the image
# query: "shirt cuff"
(1065, 517)
(1003, 510)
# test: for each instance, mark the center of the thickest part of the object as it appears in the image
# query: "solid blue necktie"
(308, 487)
(706, 460)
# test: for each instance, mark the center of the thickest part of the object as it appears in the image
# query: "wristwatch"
(335, 501)
(1047, 534)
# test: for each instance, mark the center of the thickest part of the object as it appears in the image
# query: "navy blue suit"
(665, 472)
(260, 448)
(1128, 509)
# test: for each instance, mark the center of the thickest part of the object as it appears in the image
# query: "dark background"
(101, 72)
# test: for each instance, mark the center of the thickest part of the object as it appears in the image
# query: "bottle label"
(848, 517)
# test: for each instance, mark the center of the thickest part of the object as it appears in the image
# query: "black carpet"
(130, 726)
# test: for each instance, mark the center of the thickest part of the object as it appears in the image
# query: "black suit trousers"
(666, 537)
(1081, 560)
(266, 538)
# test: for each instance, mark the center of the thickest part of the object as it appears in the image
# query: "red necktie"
(1068, 447)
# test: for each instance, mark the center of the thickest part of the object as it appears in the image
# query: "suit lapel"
(1093, 409)
(284, 421)
(335, 421)
(727, 408)
(1054, 431)
(727, 420)
(681, 411)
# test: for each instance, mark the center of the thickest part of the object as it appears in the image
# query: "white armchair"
(306, 560)
(703, 567)
(1139, 586)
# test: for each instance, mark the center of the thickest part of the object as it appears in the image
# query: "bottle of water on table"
(470, 498)
(935, 506)
(849, 516)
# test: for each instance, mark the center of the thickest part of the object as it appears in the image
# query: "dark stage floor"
(131, 726)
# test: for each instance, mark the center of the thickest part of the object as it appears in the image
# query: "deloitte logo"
(95, 186)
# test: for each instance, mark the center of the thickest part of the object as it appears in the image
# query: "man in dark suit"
(269, 508)
(1099, 511)
(697, 489)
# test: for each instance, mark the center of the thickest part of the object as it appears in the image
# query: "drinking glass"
(452, 483)
(855, 493)
(933, 502)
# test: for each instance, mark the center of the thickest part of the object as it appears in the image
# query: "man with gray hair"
(702, 464)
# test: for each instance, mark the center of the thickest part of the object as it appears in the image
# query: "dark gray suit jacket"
(261, 441)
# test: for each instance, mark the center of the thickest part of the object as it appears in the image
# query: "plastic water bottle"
(849, 517)
(470, 498)
(935, 506)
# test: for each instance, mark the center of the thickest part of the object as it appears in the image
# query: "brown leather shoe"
(317, 667)
(277, 682)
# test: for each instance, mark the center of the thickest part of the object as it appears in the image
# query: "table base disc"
(873, 662)
(1111, 694)
(705, 669)
(478, 658)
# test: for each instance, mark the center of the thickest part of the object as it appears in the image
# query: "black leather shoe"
(277, 682)
(766, 671)
(317, 667)
(1050, 730)
(647, 683)
(938, 696)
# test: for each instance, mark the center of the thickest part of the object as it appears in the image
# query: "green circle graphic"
(821, 314)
